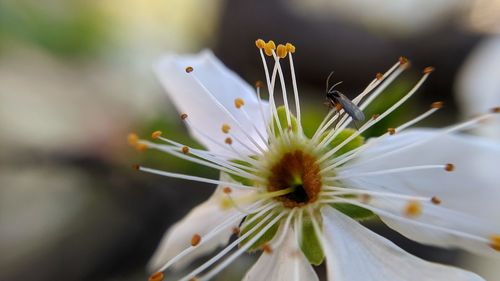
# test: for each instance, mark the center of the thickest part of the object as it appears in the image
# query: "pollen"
(435, 200)
(195, 240)
(184, 116)
(260, 43)
(269, 48)
(495, 242)
(266, 249)
(449, 167)
(391, 131)
(189, 69)
(157, 276)
(290, 48)
(228, 141)
(227, 190)
(437, 104)
(379, 76)
(413, 209)
(239, 102)
(132, 139)
(281, 51)
(185, 149)
(141, 147)
(428, 70)
(155, 135)
(225, 128)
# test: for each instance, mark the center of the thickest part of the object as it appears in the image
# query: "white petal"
(478, 86)
(354, 253)
(201, 220)
(193, 99)
(286, 263)
(469, 195)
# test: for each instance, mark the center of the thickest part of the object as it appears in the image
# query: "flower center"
(297, 170)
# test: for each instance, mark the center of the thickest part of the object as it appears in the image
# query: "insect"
(339, 101)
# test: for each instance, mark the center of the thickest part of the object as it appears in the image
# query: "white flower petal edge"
(201, 220)
(372, 257)
(286, 263)
(469, 212)
(207, 95)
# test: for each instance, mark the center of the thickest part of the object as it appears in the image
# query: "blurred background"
(75, 78)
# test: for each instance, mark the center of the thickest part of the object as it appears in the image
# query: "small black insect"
(339, 101)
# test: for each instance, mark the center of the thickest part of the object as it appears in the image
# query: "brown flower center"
(296, 170)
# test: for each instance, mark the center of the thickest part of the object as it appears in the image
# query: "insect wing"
(350, 108)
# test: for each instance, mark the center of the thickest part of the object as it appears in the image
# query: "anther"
(281, 51)
(155, 135)
(157, 276)
(184, 116)
(141, 147)
(290, 48)
(228, 141)
(225, 128)
(364, 198)
(428, 70)
(269, 47)
(437, 104)
(136, 167)
(496, 109)
(195, 240)
(379, 76)
(259, 84)
(189, 69)
(260, 43)
(413, 209)
(239, 102)
(375, 116)
(403, 60)
(495, 242)
(227, 190)
(449, 167)
(435, 200)
(132, 139)
(391, 131)
(266, 249)
(185, 149)
(236, 230)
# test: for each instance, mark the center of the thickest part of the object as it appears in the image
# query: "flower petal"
(469, 194)
(354, 253)
(201, 100)
(286, 263)
(201, 220)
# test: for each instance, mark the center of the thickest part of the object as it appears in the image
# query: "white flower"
(300, 197)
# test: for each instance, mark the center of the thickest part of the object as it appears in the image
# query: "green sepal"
(268, 235)
(241, 179)
(353, 211)
(281, 110)
(309, 242)
(341, 137)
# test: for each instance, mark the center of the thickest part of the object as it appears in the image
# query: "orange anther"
(269, 47)
(428, 70)
(266, 249)
(281, 51)
(290, 48)
(239, 102)
(185, 149)
(132, 139)
(156, 135)
(449, 167)
(227, 190)
(391, 131)
(195, 240)
(379, 76)
(403, 60)
(260, 43)
(413, 209)
(225, 128)
(157, 276)
(495, 242)
(189, 69)
(437, 104)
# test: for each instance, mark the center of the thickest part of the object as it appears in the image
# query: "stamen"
(225, 128)
(157, 276)
(365, 194)
(195, 240)
(413, 209)
(239, 102)
(155, 135)
(387, 171)
(231, 202)
(495, 242)
(291, 49)
(283, 89)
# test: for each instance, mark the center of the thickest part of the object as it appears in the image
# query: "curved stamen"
(388, 171)
(295, 91)
(336, 191)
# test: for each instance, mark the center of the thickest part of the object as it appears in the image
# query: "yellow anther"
(132, 139)
(449, 167)
(195, 240)
(239, 102)
(435, 200)
(269, 47)
(155, 135)
(495, 242)
(228, 141)
(185, 149)
(290, 48)
(428, 70)
(189, 69)
(437, 104)
(157, 276)
(225, 128)
(413, 209)
(141, 147)
(391, 131)
(260, 43)
(281, 51)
